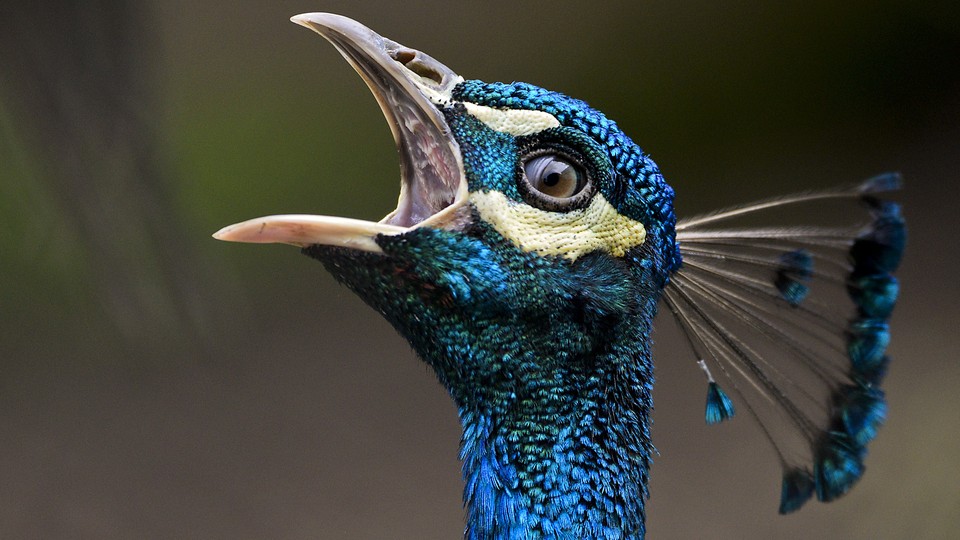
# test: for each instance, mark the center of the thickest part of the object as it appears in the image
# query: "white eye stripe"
(567, 234)
(516, 122)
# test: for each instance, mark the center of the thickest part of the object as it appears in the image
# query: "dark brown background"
(155, 383)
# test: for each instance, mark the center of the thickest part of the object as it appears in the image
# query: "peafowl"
(531, 246)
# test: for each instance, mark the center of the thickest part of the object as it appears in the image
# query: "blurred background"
(155, 383)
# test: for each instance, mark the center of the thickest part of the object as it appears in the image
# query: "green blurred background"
(155, 383)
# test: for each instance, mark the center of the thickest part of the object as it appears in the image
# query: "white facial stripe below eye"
(516, 122)
(568, 234)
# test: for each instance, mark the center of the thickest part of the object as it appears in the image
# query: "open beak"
(410, 86)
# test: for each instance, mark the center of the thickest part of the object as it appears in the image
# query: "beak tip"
(301, 19)
(316, 20)
(223, 234)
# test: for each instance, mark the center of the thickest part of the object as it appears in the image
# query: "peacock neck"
(567, 457)
(548, 362)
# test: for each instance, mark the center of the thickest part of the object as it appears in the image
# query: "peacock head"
(530, 232)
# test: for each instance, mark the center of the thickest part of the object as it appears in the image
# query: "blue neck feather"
(563, 449)
(562, 465)
(553, 391)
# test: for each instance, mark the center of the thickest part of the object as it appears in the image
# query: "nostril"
(404, 56)
(419, 63)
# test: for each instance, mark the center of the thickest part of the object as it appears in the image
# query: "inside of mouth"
(429, 164)
(428, 182)
(401, 79)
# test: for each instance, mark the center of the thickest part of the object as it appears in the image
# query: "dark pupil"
(552, 179)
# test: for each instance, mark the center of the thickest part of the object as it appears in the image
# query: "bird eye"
(554, 176)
